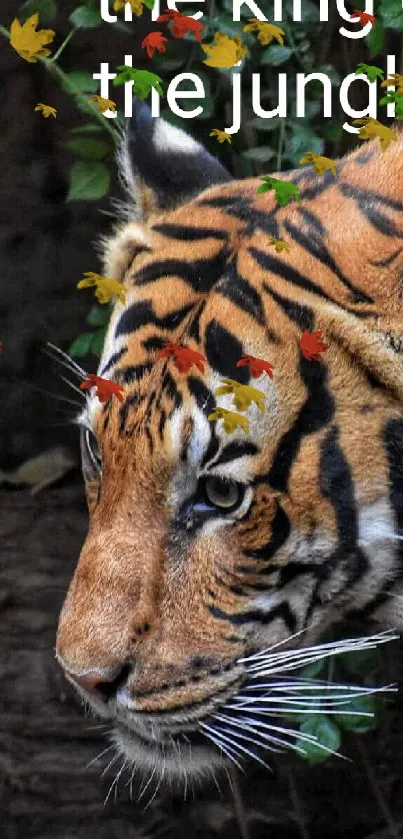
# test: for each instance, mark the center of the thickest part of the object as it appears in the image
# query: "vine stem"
(56, 71)
(62, 46)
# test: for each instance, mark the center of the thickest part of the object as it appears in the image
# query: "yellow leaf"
(394, 80)
(135, 5)
(231, 420)
(222, 136)
(28, 42)
(244, 395)
(225, 52)
(320, 164)
(106, 288)
(279, 245)
(47, 110)
(266, 31)
(372, 128)
(103, 104)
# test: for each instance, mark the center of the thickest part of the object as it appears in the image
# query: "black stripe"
(316, 413)
(278, 267)
(319, 251)
(142, 313)
(320, 185)
(131, 373)
(241, 293)
(234, 450)
(301, 314)
(200, 274)
(223, 350)
(282, 611)
(154, 343)
(168, 385)
(193, 331)
(384, 263)
(311, 221)
(113, 360)
(204, 398)
(393, 439)
(131, 402)
(368, 203)
(189, 234)
(280, 531)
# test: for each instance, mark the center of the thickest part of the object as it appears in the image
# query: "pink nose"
(101, 685)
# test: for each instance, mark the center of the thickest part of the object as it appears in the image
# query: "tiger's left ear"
(162, 166)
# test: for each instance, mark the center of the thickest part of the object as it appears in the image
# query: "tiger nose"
(102, 685)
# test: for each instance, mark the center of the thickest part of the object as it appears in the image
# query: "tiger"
(215, 561)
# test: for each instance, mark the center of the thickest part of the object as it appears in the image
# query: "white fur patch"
(167, 138)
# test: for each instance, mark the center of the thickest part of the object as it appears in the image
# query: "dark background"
(46, 245)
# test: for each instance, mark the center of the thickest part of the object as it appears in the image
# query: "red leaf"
(182, 24)
(105, 387)
(154, 41)
(363, 17)
(183, 357)
(311, 345)
(256, 366)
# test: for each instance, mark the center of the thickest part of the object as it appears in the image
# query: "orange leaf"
(363, 17)
(256, 366)
(181, 24)
(184, 357)
(154, 41)
(311, 345)
(105, 387)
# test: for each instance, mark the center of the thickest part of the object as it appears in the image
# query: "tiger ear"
(161, 166)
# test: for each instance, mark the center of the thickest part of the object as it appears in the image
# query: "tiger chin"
(213, 561)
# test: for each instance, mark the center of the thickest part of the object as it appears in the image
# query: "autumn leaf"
(311, 345)
(27, 41)
(181, 24)
(154, 41)
(105, 388)
(225, 52)
(231, 420)
(363, 17)
(394, 80)
(105, 288)
(372, 128)
(371, 72)
(257, 366)
(47, 110)
(222, 136)
(266, 31)
(320, 164)
(184, 357)
(244, 395)
(135, 5)
(103, 104)
(284, 190)
(142, 80)
(279, 245)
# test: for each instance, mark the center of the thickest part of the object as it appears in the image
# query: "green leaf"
(150, 4)
(303, 139)
(376, 39)
(311, 671)
(391, 12)
(47, 10)
(351, 722)
(85, 18)
(360, 662)
(81, 345)
(87, 128)
(88, 147)
(327, 734)
(264, 123)
(98, 340)
(98, 315)
(329, 71)
(89, 180)
(259, 154)
(81, 80)
(276, 55)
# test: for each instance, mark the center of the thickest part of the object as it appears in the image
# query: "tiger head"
(211, 543)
